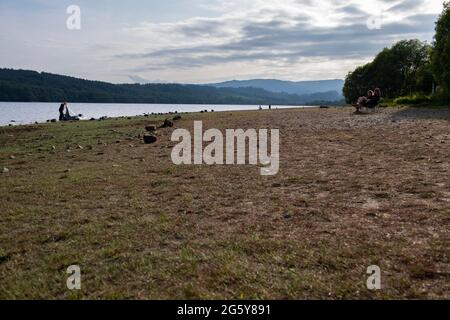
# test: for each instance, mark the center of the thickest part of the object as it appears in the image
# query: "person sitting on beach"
(371, 101)
(66, 114)
(375, 99)
(364, 101)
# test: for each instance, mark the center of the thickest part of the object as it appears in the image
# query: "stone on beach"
(167, 124)
(151, 128)
(149, 138)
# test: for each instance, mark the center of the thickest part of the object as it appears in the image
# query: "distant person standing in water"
(62, 107)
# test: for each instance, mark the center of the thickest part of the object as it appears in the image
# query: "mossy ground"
(352, 191)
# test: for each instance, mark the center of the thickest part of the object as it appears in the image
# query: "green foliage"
(31, 86)
(357, 83)
(441, 51)
(417, 98)
(399, 70)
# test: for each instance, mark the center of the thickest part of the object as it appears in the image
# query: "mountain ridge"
(291, 87)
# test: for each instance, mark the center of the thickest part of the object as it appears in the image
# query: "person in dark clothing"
(375, 100)
(67, 115)
(363, 101)
(61, 111)
(64, 113)
(371, 101)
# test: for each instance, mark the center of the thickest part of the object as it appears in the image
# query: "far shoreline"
(169, 109)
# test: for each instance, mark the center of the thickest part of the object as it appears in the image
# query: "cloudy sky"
(201, 41)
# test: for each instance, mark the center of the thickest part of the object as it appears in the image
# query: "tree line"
(411, 70)
(32, 86)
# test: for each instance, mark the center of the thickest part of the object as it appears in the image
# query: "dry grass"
(352, 191)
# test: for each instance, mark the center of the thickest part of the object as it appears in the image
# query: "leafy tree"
(425, 82)
(394, 70)
(357, 83)
(441, 51)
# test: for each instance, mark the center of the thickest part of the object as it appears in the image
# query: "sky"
(206, 41)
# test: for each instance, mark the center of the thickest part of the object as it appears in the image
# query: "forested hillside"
(31, 86)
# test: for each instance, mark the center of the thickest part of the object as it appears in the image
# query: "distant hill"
(291, 87)
(32, 86)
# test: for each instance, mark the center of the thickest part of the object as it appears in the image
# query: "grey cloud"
(201, 28)
(287, 43)
(406, 5)
(352, 11)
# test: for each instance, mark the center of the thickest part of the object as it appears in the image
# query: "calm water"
(25, 113)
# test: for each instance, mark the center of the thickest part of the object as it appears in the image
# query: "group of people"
(64, 114)
(370, 101)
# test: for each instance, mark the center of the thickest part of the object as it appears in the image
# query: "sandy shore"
(352, 191)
